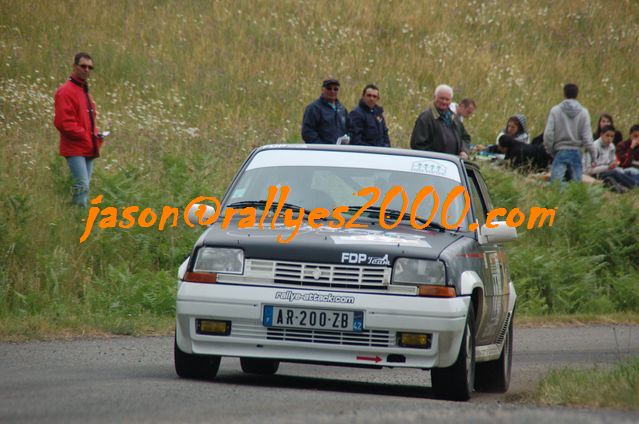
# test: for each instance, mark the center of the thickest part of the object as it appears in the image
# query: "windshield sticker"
(391, 238)
(358, 258)
(292, 296)
(429, 168)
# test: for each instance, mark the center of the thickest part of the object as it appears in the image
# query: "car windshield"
(329, 179)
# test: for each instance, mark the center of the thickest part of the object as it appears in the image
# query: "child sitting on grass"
(605, 162)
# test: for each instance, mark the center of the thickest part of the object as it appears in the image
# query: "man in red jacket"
(80, 140)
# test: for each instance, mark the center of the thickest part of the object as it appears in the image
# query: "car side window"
(478, 202)
(484, 190)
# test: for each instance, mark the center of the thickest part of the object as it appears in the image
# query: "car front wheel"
(457, 381)
(200, 367)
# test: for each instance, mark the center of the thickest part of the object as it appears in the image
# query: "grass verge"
(616, 387)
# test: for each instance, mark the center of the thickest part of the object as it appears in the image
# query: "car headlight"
(419, 271)
(219, 260)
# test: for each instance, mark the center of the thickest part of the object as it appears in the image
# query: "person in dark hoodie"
(522, 155)
(366, 124)
(567, 133)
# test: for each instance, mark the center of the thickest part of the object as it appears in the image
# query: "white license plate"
(323, 319)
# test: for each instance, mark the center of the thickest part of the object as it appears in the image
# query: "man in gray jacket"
(567, 133)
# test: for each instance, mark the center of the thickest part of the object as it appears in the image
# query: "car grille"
(372, 338)
(309, 274)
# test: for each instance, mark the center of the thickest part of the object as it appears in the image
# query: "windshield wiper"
(262, 204)
(394, 213)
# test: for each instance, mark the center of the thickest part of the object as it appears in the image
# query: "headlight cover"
(219, 260)
(419, 271)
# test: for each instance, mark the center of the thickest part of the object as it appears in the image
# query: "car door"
(494, 267)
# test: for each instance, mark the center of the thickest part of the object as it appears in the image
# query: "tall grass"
(188, 89)
(617, 387)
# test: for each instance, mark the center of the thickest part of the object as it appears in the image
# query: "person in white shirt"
(464, 109)
(604, 166)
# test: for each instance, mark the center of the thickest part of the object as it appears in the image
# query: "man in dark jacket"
(366, 122)
(80, 140)
(325, 120)
(437, 129)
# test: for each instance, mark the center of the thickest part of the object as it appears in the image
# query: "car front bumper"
(383, 316)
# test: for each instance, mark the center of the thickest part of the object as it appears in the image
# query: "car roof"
(361, 149)
(369, 149)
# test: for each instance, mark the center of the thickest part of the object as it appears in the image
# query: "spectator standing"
(75, 119)
(366, 122)
(464, 109)
(604, 120)
(324, 120)
(567, 133)
(438, 129)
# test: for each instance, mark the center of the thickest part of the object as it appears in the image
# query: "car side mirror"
(499, 234)
(195, 213)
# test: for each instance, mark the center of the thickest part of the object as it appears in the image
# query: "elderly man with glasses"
(75, 119)
(325, 120)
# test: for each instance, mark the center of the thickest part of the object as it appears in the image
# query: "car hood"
(372, 246)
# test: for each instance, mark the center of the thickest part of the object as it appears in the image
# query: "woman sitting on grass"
(522, 155)
(605, 161)
(516, 128)
(604, 120)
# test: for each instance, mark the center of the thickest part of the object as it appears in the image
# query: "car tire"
(259, 366)
(199, 367)
(458, 381)
(494, 376)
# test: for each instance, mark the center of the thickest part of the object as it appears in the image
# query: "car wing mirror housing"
(209, 211)
(500, 233)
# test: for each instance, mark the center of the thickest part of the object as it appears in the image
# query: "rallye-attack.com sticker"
(292, 296)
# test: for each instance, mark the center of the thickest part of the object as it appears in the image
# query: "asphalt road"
(129, 379)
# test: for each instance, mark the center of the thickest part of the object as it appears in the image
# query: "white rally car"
(409, 293)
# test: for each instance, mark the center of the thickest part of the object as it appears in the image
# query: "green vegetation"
(617, 387)
(188, 89)
(587, 262)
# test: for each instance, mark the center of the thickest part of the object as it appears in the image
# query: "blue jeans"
(566, 159)
(81, 168)
(620, 177)
(632, 173)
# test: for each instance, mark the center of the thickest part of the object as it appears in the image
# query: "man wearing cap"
(325, 119)
(438, 129)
